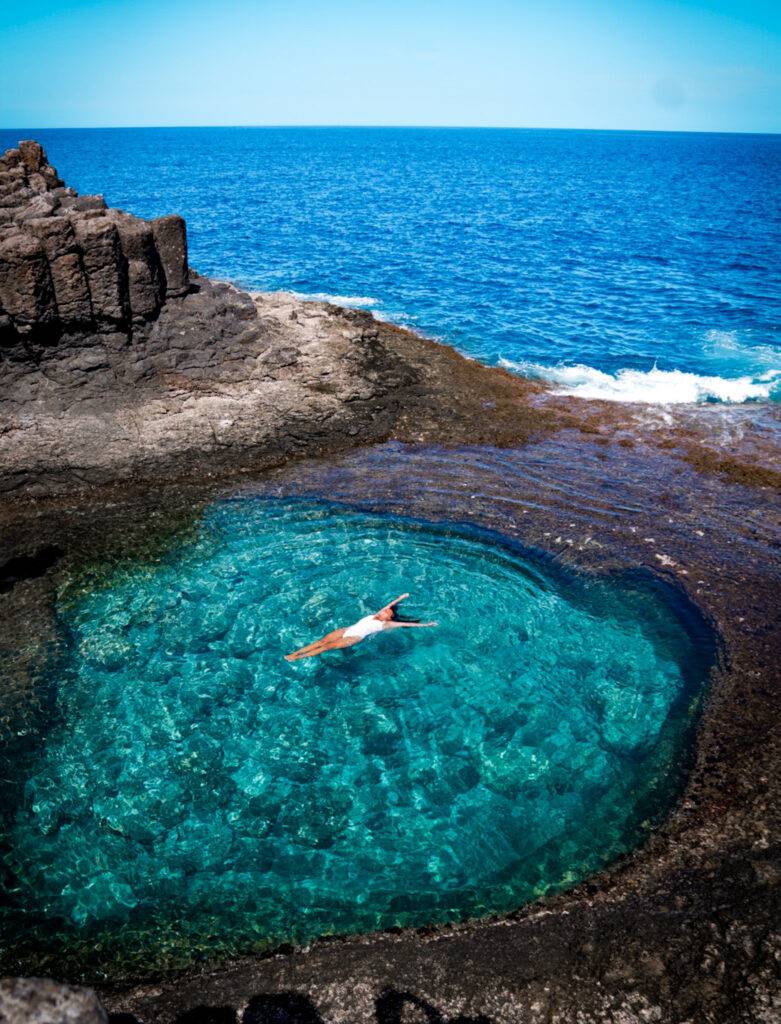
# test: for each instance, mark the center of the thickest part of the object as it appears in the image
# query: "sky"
(706, 65)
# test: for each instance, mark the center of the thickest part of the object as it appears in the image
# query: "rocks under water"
(196, 786)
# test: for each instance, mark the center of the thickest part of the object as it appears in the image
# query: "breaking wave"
(338, 300)
(654, 386)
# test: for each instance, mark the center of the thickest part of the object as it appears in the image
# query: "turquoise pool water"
(196, 791)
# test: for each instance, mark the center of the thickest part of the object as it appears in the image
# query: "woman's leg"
(330, 642)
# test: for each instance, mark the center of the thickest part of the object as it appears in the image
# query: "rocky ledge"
(118, 362)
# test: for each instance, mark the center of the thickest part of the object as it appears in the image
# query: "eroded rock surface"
(68, 262)
(120, 365)
(117, 362)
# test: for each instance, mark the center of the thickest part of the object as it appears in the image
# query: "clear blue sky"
(712, 65)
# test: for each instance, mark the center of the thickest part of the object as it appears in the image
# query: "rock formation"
(118, 362)
(120, 365)
(68, 262)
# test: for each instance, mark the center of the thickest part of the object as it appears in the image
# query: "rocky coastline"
(121, 363)
(132, 390)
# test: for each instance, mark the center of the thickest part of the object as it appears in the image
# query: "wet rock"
(176, 375)
(683, 930)
(43, 1001)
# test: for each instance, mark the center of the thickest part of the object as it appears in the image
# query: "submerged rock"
(43, 1001)
(118, 364)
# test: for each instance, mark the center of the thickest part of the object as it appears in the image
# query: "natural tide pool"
(195, 793)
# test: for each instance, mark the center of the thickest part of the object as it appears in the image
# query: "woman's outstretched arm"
(410, 625)
(392, 604)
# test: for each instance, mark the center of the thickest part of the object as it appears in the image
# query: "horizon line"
(406, 127)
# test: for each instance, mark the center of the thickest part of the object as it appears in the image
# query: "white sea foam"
(338, 300)
(734, 351)
(654, 386)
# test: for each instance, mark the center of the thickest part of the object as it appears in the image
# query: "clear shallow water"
(648, 264)
(197, 791)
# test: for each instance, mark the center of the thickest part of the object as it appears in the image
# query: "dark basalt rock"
(26, 288)
(66, 268)
(106, 268)
(118, 362)
(171, 241)
(25, 567)
(67, 261)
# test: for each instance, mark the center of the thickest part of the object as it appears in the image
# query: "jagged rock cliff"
(67, 262)
(118, 363)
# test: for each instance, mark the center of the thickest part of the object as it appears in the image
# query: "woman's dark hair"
(403, 618)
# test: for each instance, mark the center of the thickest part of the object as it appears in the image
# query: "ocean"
(632, 266)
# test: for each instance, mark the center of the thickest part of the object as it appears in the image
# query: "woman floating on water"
(385, 618)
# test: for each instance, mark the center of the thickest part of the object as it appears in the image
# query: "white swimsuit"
(365, 627)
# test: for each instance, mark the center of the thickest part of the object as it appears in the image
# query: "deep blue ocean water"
(196, 792)
(617, 264)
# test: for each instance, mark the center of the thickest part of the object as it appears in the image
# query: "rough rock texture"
(221, 381)
(117, 362)
(682, 931)
(43, 1001)
(68, 262)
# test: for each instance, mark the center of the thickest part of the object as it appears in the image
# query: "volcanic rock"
(120, 363)
(67, 261)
